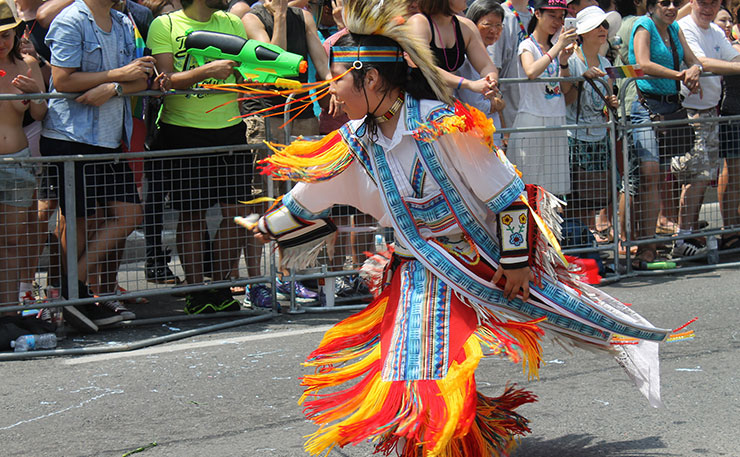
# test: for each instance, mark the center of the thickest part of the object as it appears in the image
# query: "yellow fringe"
(454, 388)
(308, 161)
(353, 325)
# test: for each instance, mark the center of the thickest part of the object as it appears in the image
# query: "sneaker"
(689, 248)
(343, 288)
(227, 301)
(302, 293)
(160, 273)
(199, 303)
(116, 307)
(100, 315)
(211, 301)
(79, 320)
(260, 296)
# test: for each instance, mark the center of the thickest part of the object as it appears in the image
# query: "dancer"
(470, 239)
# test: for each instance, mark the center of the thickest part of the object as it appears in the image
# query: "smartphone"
(570, 23)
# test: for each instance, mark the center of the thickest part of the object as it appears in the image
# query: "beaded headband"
(359, 54)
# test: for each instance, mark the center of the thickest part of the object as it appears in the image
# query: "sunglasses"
(668, 3)
(605, 24)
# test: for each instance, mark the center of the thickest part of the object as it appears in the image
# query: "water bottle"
(712, 251)
(380, 243)
(27, 343)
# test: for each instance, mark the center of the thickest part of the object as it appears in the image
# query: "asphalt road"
(234, 393)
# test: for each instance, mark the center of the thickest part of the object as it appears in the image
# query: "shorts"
(644, 142)
(198, 182)
(589, 155)
(701, 163)
(17, 182)
(96, 182)
(729, 139)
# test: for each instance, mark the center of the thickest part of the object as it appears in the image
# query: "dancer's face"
(346, 93)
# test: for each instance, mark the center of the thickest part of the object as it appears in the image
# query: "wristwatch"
(118, 88)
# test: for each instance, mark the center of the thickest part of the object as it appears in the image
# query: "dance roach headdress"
(385, 18)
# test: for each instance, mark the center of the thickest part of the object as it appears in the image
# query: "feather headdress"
(385, 17)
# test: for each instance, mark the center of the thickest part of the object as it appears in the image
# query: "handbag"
(673, 140)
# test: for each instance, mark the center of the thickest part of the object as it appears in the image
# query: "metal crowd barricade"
(671, 184)
(608, 250)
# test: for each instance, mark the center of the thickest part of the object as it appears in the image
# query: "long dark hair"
(392, 74)
(533, 25)
(432, 7)
(15, 53)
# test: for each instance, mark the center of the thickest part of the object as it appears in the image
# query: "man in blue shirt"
(92, 53)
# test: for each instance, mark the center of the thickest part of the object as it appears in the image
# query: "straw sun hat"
(8, 15)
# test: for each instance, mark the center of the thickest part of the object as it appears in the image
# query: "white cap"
(589, 18)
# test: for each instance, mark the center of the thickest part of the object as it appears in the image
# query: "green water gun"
(260, 62)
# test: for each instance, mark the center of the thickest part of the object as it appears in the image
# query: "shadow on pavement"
(588, 446)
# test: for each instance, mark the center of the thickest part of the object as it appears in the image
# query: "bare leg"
(190, 244)
(13, 238)
(228, 241)
(81, 229)
(36, 237)
(692, 197)
(106, 245)
(648, 202)
(728, 192)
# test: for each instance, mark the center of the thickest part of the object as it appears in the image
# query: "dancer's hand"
(261, 237)
(516, 280)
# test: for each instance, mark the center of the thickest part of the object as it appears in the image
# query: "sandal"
(623, 250)
(644, 256)
(732, 241)
(603, 236)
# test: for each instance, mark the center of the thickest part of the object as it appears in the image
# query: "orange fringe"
(308, 161)
(432, 418)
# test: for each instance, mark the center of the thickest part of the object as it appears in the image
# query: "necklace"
(596, 102)
(388, 115)
(553, 61)
(444, 49)
(522, 30)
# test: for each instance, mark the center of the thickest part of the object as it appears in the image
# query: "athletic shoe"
(199, 303)
(100, 315)
(33, 302)
(260, 296)
(79, 320)
(689, 248)
(302, 293)
(227, 301)
(160, 273)
(116, 307)
(211, 301)
(344, 288)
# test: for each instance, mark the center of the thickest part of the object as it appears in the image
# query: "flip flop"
(644, 256)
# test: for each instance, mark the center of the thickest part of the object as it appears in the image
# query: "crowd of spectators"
(90, 47)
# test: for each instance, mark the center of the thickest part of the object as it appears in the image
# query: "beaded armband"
(513, 232)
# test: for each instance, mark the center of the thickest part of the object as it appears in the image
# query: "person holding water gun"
(196, 182)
